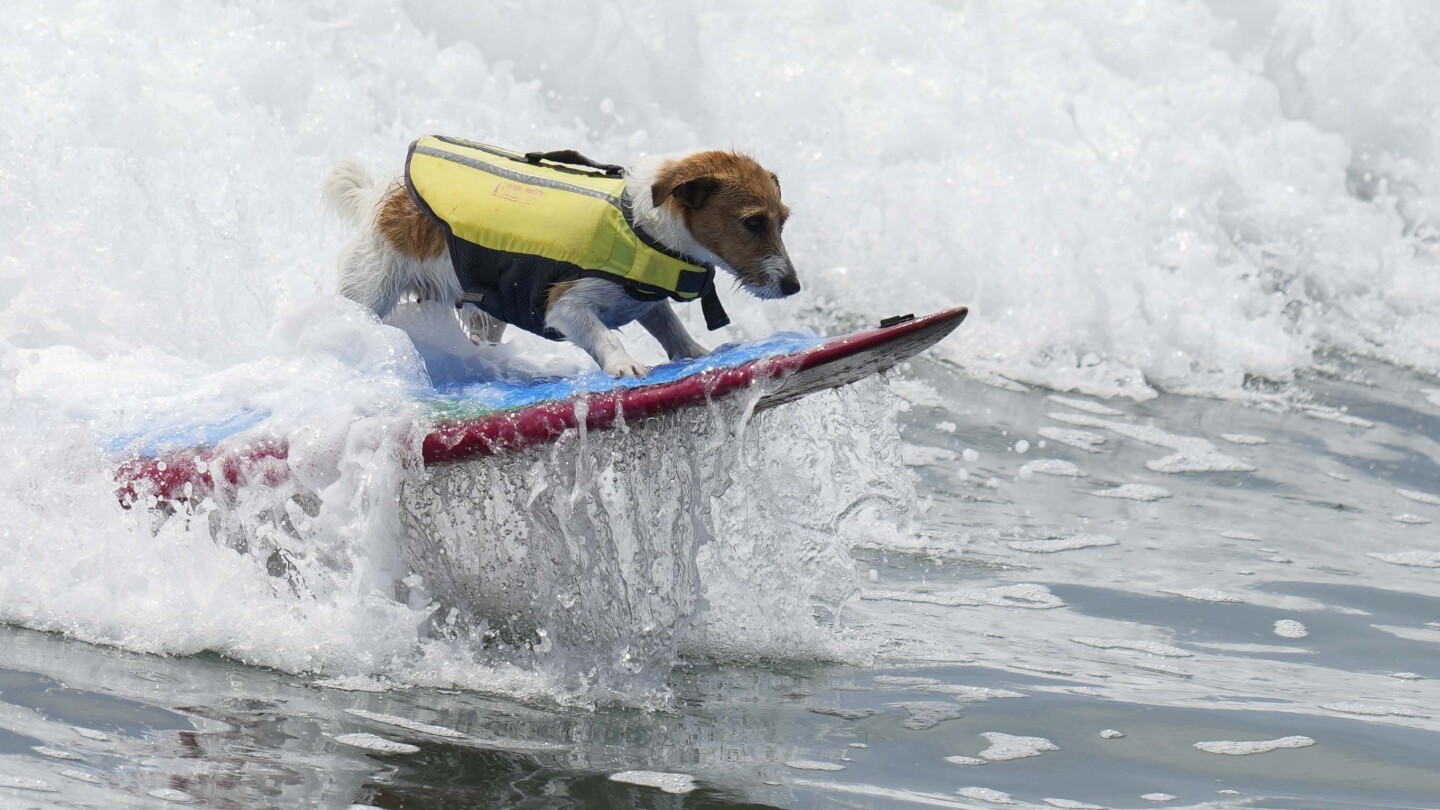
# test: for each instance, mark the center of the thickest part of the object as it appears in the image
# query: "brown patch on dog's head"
(408, 229)
(731, 206)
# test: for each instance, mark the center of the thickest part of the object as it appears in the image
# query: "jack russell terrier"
(563, 246)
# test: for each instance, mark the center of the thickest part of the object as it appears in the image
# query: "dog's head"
(731, 206)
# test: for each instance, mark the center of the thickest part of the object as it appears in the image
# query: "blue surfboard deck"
(482, 418)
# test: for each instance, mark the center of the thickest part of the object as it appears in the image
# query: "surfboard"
(485, 418)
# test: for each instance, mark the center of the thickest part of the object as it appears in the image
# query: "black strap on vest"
(715, 316)
(574, 158)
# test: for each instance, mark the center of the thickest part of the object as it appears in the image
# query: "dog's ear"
(692, 193)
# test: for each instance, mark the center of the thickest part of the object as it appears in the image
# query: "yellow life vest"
(519, 223)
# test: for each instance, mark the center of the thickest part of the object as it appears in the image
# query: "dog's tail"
(347, 190)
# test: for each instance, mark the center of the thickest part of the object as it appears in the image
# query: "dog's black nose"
(789, 285)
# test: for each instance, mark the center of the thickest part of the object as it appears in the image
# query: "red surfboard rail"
(836, 362)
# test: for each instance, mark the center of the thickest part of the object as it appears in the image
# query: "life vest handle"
(574, 158)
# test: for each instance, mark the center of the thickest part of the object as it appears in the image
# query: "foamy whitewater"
(1204, 199)
(1200, 243)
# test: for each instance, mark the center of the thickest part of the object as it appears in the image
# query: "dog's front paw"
(626, 367)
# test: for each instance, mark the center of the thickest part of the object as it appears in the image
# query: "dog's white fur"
(375, 274)
(372, 271)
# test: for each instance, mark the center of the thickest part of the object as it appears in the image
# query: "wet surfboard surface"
(484, 418)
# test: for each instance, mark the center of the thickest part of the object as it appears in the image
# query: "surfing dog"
(698, 211)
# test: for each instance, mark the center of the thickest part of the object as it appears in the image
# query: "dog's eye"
(757, 224)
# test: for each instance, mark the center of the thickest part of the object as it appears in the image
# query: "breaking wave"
(1203, 197)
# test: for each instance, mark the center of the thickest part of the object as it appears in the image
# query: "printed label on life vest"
(517, 192)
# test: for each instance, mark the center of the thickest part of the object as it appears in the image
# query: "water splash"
(717, 533)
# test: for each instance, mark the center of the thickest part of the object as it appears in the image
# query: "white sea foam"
(1111, 734)
(667, 782)
(1237, 749)
(1244, 438)
(1071, 804)
(1426, 634)
(1005, 747)
(81, 776)
(985, 794)
(1134, 492)
(1079, 439)
(967, 694)
(923, 714)
(1419, 497)
(1192, 453)
(1289, 628)
(1203, 595)
(1370, 709)
(1051, 466)
(1416, 559)
(171, 795)
(1337, 415)
(1162, 669)
(1413, 520)
(919, 455)
(1157, 797)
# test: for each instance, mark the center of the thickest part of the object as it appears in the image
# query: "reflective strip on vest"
(495, 198)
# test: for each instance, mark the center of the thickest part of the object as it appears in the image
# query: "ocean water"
(1155, 527)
